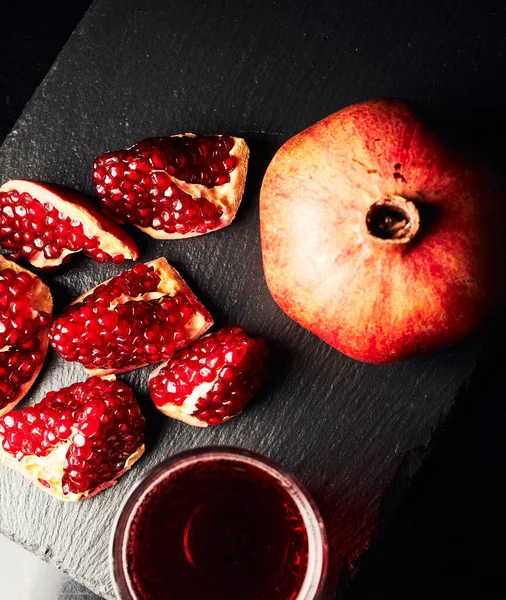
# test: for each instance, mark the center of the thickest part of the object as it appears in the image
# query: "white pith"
(50, 468)
(185, 411)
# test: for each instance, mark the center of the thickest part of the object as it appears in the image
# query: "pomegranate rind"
(41, 301)
(50, 468)
(112, 239)
(170, 282)
(376, 300)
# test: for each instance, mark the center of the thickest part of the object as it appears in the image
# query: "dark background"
(448, 538)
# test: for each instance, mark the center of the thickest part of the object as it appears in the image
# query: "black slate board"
(354, 434)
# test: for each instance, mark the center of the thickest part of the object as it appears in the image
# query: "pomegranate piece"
(25, 316)
(77, 441)
(44, 224)
(138, 318)
(174, 187)
(211, 381)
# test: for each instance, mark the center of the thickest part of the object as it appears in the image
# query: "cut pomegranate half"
(44, 224)
(77, 441)
(174, 187)
(25, 316)
(138, 318)
(211, 381)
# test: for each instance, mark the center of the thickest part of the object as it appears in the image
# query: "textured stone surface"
(353, 433)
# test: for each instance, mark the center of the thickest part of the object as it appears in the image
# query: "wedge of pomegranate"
(211, 381)
(138, 318)
(25, 316)
(44, 224)
(75, 442)
(173, 187)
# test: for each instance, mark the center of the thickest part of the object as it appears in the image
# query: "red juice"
(217, 530)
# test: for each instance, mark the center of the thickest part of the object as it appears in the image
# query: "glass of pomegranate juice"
(218, 524)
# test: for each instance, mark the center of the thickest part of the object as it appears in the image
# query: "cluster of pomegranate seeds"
(100, 418)
(18, 321)
(115, 328)
(20, 326)
(136, 185)
(17, 367)
(28, 227)
(230, 362)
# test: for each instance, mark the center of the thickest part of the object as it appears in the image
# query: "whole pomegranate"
(379, 236)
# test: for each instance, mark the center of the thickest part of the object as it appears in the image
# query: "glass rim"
(314, 578)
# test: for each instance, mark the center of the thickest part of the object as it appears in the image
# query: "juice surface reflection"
(217, 531)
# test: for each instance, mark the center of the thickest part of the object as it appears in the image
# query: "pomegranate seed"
(21, 331)
(204, 160)
(98, 420)
(227, 367)
(35, 231)
(134, 331)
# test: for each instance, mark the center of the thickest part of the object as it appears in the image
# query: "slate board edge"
(39, 90)
(406, 475)
(20, 123)
(46, 557)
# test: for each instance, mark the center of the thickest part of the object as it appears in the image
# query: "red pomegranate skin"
(379, 300)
